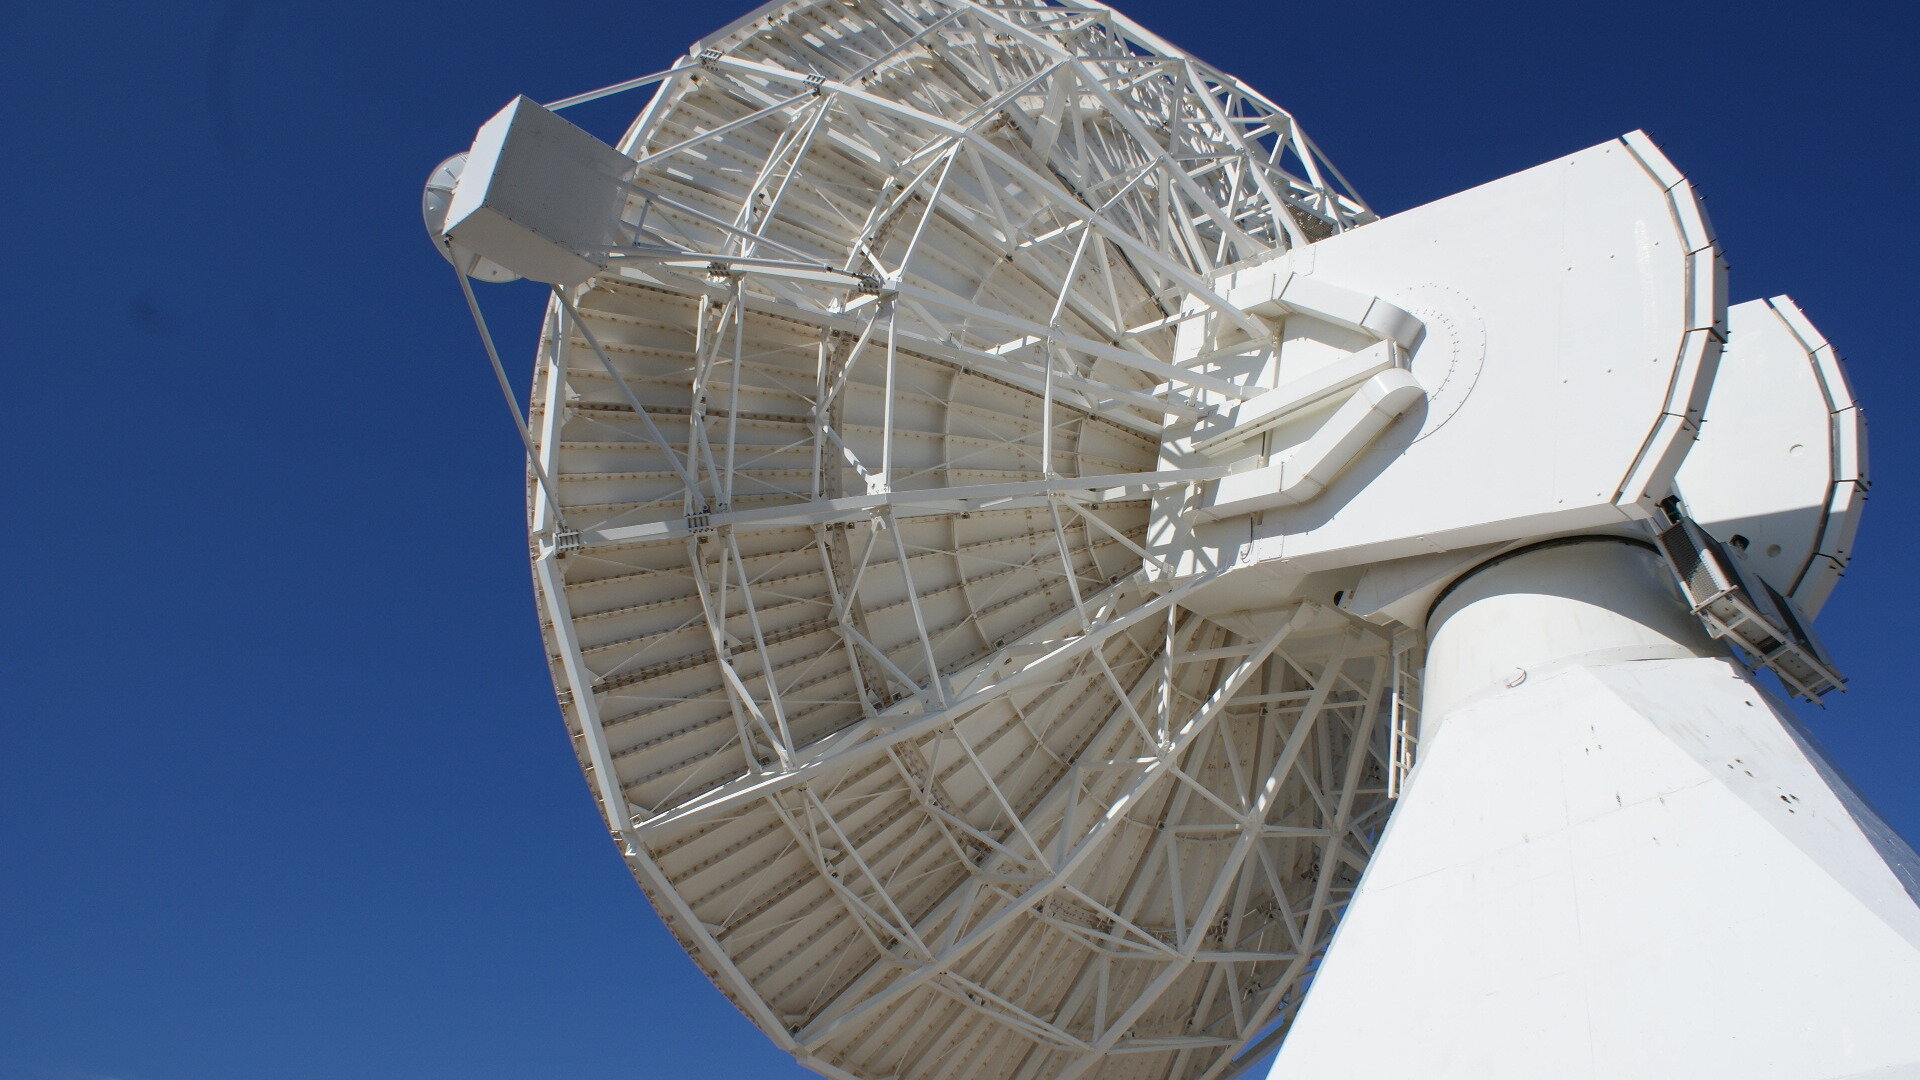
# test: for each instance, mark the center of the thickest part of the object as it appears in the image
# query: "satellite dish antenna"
(1010, 526)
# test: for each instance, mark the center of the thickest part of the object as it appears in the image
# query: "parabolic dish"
(851, 616)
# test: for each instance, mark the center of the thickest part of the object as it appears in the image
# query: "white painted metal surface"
(434, 202)
(1781, 461)
(1570, 322)
(1615, 858)
(989, 478)
(539, 196)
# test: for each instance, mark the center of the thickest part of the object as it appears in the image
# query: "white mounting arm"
(1545, 410)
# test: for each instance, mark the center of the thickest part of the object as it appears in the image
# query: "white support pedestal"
(1616, 858)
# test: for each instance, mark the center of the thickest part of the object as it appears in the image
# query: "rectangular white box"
(540, 196)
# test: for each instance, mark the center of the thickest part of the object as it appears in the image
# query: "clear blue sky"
(284, 794)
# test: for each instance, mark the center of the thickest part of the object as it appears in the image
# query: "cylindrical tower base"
(1585, 600)
(1615, 857)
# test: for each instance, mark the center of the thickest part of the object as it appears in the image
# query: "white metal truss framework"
(840, 504)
